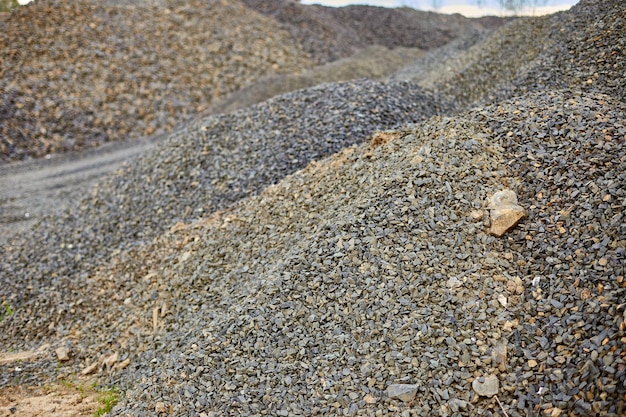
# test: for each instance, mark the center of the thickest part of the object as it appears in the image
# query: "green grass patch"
(108, 398)
(6, 310)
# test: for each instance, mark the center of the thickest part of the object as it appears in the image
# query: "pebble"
(90, 369)
(370, 399)
(455, 405)
(160, 407)
(403, 392)
(63, 353)
(505, 213)
(486, 387)
(499, 356)
(111, 360)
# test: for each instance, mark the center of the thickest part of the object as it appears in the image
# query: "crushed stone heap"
(369, 269)
(74, 75)
(308, 256)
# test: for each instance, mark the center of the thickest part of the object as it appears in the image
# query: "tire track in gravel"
(29, 189)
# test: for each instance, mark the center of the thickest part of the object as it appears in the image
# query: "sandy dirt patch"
(54, 401)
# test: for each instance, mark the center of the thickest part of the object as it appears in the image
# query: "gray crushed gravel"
(364, 269)
(76, 75)
(330, 33)
(582, 48)
(374, 62)
(206, 166)
(367, 269)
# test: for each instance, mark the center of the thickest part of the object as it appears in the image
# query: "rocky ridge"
(375, 62)
(336, 32)
(582, 48)
(204, 167)
(294, 302)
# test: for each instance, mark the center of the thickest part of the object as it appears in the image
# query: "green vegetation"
(8, 310)
(108, 399)
(7, 5)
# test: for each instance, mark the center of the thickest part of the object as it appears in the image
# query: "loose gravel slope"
(331, 33)
(80, 74)
(74, 75)
(238, 269)
(206, 166)
(374, 62)
(371, 268)
(582, 48)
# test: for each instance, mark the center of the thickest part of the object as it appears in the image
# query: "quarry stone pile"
(330, 251)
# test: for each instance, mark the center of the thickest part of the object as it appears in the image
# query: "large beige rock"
(505, 212)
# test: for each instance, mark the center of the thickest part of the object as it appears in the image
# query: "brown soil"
(57, 401)
(76, 398)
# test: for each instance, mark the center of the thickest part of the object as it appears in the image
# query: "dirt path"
(32, 188)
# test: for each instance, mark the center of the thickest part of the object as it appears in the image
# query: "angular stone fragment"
(499, 355)
(369, 399)
(90, 369)
(381, 138)
(456, 404)
(123, 364)
(486, 387)
(477, 214)
(403, 392)
(505, 212)
(160, 407)
(503, 300)
(63, 353)
(110, 361)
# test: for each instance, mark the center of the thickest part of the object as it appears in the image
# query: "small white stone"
(489, 386)
(90, 369)
(502, 300)
(110, 361)
(63, 353)
(160, 407)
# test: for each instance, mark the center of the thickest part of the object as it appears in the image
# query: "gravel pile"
(584, 48)
(331, 33)
(437, 63)
(364, 283)
(469, 74)
(74, 75)
(374, 62)
(374, 268)
(77, 75)
(207, 166)
(594, 60)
